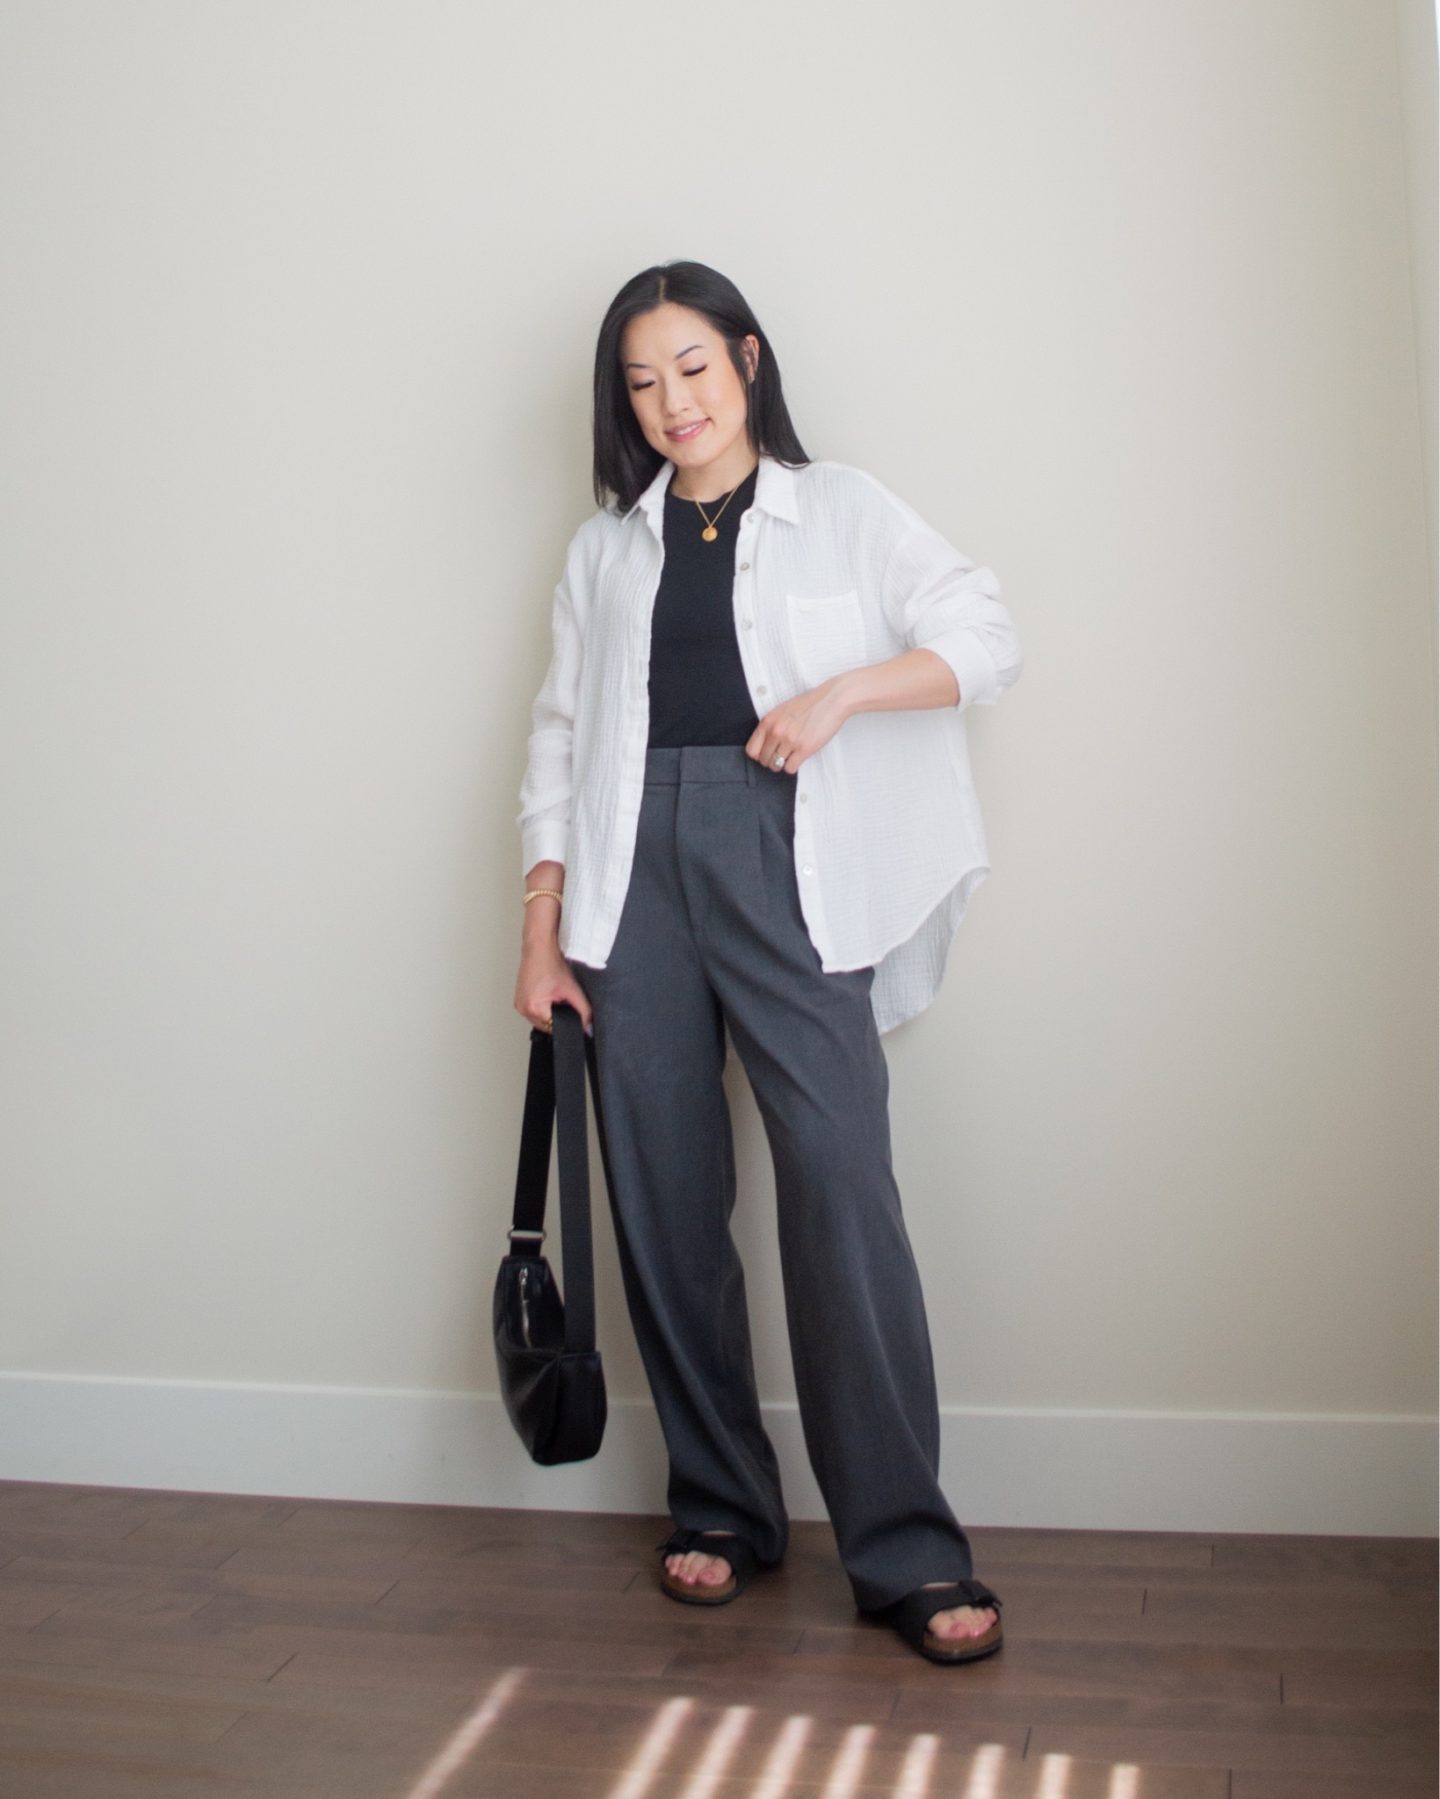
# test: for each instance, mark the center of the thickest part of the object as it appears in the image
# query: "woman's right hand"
(544, 980)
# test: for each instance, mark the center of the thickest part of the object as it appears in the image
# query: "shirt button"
(807, 870)
(744, 565)
(802, 797)
(747, 623)
(762, 688)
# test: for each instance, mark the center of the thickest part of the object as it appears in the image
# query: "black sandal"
(744, 1565)
(910, 1615)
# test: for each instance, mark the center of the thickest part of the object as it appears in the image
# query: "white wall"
(1415, 60)
(295, 334)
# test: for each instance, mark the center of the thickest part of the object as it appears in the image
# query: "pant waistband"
(705, 762)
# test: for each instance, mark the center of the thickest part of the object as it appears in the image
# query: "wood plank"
(174, 1644)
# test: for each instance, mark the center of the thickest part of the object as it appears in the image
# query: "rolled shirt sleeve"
(938, 599)
(544, 816)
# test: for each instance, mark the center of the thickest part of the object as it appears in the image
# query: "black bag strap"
(555, 1107)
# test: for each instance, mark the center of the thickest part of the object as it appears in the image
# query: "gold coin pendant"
(709, 533)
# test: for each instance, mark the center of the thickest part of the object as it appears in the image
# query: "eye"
(640, 386)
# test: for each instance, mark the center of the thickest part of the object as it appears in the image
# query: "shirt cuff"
(971, 661)
(543, 840)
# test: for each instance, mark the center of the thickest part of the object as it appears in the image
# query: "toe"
(696, 1568)
(962, 1621)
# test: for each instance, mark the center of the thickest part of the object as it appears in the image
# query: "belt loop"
(752, 769)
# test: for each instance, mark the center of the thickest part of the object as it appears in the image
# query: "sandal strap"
(911, 1614)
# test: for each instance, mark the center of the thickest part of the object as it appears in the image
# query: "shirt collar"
(774, 493)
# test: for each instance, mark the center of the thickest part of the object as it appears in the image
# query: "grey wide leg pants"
(712, 934)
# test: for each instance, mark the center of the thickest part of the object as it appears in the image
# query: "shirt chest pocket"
(827, 633)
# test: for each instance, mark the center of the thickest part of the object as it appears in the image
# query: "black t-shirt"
(698, 691)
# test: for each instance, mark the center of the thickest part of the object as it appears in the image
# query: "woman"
(747, 805)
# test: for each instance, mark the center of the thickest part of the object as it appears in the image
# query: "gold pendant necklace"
(710, 533)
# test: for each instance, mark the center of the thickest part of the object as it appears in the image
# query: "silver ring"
(779, 761)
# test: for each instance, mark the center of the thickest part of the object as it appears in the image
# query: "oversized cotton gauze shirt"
(832, 571)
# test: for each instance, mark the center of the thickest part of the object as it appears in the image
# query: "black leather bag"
(550, 1374)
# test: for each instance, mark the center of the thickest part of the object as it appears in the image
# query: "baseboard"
(1317, 1473)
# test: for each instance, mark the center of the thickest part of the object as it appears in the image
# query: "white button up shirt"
(832, 571)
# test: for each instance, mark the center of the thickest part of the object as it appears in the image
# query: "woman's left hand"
(798, 727)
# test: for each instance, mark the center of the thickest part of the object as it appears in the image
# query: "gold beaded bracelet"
(535, 893)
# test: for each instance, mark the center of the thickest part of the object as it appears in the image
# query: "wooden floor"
(187, 1645)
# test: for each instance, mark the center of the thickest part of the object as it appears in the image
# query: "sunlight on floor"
(458, 1750)
(665, 1742)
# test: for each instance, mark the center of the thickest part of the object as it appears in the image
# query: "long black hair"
(625, 464)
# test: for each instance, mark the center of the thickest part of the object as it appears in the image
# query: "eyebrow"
(678, 355)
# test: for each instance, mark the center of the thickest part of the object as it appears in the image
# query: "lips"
(687, 432)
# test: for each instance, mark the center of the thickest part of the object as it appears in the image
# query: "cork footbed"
(963, 1649)
(692, 1592)
(910, 1618)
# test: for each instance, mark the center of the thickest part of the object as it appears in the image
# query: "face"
(687, 398)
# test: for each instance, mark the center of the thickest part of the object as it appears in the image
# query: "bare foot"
(697, 1569)
(960, 1620)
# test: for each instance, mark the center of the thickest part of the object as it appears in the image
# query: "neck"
(705, 479)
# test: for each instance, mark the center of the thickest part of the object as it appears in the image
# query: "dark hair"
(625, 463)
